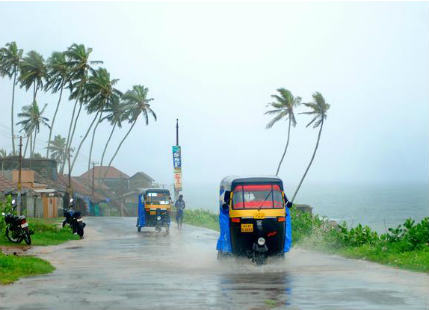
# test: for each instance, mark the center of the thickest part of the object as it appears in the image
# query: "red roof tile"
(100, 172)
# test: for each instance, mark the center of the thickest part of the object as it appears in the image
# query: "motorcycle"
(75, 220)
(17, 227)
(162, 219)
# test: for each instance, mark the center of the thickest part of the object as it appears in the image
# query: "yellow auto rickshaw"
(254, 218)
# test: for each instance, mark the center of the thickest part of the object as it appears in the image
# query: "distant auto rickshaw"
(154, 209)
(254, 218)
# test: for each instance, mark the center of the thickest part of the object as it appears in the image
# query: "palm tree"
(283, 109)
(10, 58)
(77, 56)
(115, 117)
(57, 147)
(318, 109)
(102, 93)
(32, 119)
(99, 93)
(137, 103)
(32, 72)
(58, 77)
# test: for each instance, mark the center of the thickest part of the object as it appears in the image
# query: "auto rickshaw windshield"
(255, 196)
(158, 198)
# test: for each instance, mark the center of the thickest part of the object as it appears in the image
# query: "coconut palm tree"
(137, 103)
(57, 148)
(10, 58)
(33, 72)
(102, 93)
(318, 109)
(58, 77)
(99, 93)
(115, 117)
(77, 56)
(32, 119)
(284, 106)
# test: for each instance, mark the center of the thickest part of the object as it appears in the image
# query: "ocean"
(378, 206)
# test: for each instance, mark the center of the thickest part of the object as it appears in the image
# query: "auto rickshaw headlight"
(261, 241)
(158, 218)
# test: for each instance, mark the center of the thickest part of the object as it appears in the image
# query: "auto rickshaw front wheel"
(139, 229)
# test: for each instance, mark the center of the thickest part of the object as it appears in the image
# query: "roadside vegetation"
(406, 246)
(46, 232)
(14, 267)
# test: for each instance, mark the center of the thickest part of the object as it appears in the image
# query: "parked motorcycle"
(74, 219)
(17, 227)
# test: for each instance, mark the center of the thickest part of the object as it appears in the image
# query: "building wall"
(45, 167)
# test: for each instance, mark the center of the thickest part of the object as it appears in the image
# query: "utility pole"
(70, 191)
(93, 179)
(19, 200)
(177, 131)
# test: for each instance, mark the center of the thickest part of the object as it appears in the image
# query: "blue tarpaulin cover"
(288, 232)
(141, 212)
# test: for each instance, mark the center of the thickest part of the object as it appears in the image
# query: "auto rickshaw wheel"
(139, 229)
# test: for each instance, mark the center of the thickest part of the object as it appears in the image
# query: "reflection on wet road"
(117, 268)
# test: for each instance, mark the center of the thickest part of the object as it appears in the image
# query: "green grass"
(46, 232)
(14, 267)
(202, 218)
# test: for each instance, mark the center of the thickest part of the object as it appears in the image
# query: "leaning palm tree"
(283, 109)
(137, 103)
(99, 93)
(318, 109)
(102, 92)
(115, 117)
(57, 148)
(77, 56)
(32, 119)
(33, 72)
(58, 77)
(10, 58)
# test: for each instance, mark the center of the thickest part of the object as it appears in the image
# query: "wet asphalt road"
(117, 268)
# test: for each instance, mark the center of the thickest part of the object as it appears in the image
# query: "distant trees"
(284, 109)
(89, 88)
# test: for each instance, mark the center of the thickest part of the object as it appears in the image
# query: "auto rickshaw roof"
(156, 190)
(230, 182)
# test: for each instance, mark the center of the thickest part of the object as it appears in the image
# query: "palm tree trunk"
(31, 145)
(69, 131)
(34, 142)
(12, 111)
(309, 164)
(83, 140)
(25, 149)
(92, 140)
(107, 143)
(74, 125)
(53, 121)
(287, 144)
(119, 146)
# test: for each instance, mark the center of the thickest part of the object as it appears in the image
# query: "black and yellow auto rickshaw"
(154, 209)
(254, 219)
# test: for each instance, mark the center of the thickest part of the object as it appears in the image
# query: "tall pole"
(69, 176)
(19, 177)
(93, 179)
(177, 131)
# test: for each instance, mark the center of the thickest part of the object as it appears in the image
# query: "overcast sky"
(214, 66)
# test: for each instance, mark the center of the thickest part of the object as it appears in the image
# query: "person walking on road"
(180, 206)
